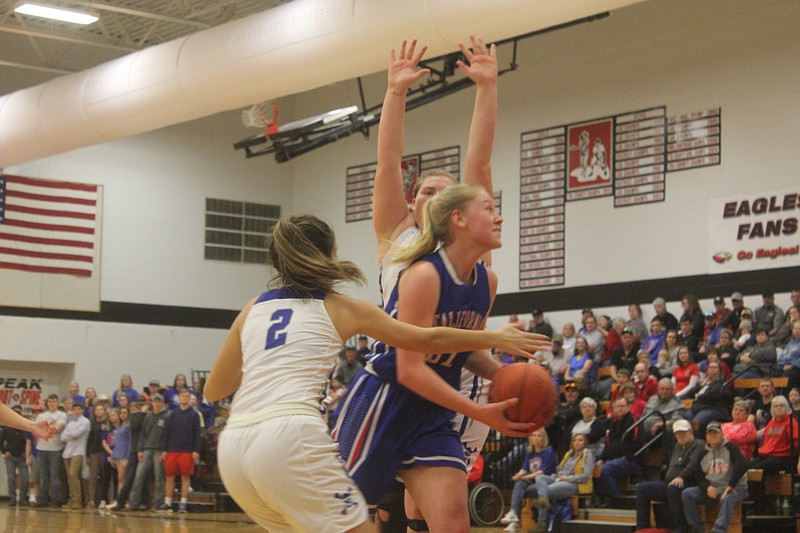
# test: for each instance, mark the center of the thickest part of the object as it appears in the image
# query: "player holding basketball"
(275, 455)
(397, 226)
(397, 415)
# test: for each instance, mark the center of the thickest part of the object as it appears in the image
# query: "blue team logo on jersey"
(348, 502)
(468, 451)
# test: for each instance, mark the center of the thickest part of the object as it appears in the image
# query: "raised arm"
(389, 210)
(482, 69)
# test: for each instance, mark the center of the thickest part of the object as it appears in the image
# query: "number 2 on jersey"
(276, 335)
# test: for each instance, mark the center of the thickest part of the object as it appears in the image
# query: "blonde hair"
(432, 172)
(436, 225)
(545, 440)
(780, 400)
(121, 386)
(301, 251)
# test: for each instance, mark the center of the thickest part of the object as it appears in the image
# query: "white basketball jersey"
(390, 271)
(289, 349)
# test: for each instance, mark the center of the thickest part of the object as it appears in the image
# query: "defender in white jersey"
(397, 226)
(275, 455)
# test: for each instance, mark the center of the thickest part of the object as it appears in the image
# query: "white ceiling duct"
(292, 48)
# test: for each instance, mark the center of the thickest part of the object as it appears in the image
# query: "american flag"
(47, 226)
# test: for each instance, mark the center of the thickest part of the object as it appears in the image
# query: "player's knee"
(417, 525)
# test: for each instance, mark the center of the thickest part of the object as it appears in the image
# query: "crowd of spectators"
(682, 369)
(121, 451)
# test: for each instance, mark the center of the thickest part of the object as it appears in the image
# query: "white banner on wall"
(754, 231)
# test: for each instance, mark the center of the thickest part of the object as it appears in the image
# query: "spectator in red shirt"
(646, 385)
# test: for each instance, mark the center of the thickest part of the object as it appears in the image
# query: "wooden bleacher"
(752, 383)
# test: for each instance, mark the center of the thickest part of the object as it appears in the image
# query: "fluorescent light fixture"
(56, 14)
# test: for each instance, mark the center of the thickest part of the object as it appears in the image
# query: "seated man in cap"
(769, 316)
(732, 319)
(722, 479)
(721, 312)
(711, 334)
(617, 459)
(684, 464)
(540, 325)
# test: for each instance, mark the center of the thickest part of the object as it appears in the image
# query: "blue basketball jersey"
(460, 306)
(384, 427)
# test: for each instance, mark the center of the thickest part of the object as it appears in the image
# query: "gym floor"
(30, 520)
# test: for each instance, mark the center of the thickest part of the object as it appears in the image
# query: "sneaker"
(182, 508)
(102, 504)
(509, 518)
(112, 506)
(163, 508)
(542, 502)
(512, 527)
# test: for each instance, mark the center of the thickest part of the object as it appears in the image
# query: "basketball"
(533, 385)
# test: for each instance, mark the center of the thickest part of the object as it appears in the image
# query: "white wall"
(740, 55)
(685, 55)
(155, 187)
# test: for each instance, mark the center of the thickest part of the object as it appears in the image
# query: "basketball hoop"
(263, 115)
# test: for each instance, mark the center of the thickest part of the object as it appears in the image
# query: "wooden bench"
(752, 383)
(708, 514)
(774, 484)
(578, 501)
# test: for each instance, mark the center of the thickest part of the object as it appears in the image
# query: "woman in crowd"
(784, 333)
(573, 476)
(172, 393)
(125, 388)
(686, 374)
(568, 332)
(636, 322)
(712, 401)
(581, 360)
(794, 401)
(636, 403)
(692, 311)
(589, 425)
(121, 451)
(107, 487)
(666, 369)
(779, 439)
(539, 461)
(90, 397)
(740, 430)
(275, 419)
(122, 401)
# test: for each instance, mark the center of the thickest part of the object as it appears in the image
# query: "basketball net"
(263, 115)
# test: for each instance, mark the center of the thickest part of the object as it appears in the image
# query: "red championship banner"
(589, 172)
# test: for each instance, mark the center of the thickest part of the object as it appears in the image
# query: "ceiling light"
(56, 14)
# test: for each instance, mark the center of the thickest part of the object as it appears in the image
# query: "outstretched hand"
(482, 67)
(514, 340)
(403, 71)
(493, 415)
(42, 429)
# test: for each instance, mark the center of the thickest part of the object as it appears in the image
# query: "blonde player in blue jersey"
(396, 418)
(396, 226)
(275, 455)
